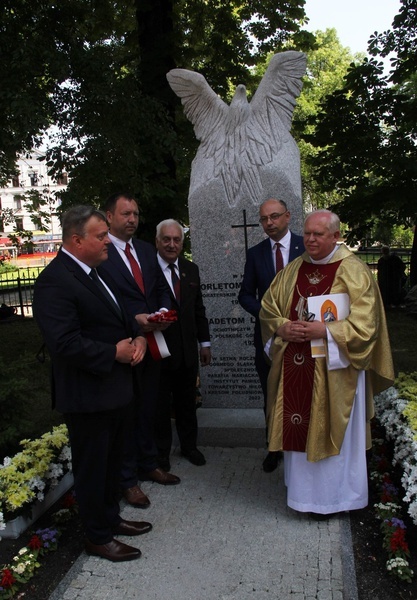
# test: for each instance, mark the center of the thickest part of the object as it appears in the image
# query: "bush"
(18, 383)
(7, 268)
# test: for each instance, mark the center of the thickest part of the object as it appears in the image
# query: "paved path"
(224, 533)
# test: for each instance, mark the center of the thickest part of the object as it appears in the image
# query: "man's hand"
(205, 356)
(125, 351)
(139, 344)
(146, 326)
(302, 331)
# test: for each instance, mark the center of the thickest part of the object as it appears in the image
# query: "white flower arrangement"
(27, 476)
(399, 566)
(390, 412)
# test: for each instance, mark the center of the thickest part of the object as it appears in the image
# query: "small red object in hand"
(163, 317)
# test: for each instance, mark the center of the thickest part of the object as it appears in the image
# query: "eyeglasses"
(273, 217)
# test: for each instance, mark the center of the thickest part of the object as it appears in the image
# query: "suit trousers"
(140, 451)
(177, 391)
(97, 449)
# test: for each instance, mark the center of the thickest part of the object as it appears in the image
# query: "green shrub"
(7, 268)
(19, 380)
(407, 389)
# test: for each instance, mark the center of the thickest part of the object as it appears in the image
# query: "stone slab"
(223, 533)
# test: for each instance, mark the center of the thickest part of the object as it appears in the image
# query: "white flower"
(36, 468)
(65, 454)
(20, 568)
(389, 410)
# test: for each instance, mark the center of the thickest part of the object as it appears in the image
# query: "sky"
(354, 20)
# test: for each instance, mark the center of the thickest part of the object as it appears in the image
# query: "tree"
(367, 135)
(327, 65)
(96, 71)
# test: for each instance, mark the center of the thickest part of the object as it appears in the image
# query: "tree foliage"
(367, 134)
(95, 70)
(327, 65)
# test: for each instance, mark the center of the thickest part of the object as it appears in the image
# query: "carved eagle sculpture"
(237, 140)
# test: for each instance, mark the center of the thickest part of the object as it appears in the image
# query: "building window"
(19, 223)
(17, 203)
(15, 181)
(62, 179)
(33, 179)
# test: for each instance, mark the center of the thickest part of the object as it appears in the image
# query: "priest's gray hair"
(333, 220)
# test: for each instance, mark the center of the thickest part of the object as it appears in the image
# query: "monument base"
(230, 428)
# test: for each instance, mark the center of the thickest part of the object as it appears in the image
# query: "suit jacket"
(156, 288)
(182, 336)
(81, 327)
(258, 275)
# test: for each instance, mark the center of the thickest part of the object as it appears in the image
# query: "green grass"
(403, 336)
(20, 341)
(22, 272)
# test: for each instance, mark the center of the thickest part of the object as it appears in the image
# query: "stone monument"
(246, 155)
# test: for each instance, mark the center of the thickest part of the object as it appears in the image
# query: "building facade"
(14, 214)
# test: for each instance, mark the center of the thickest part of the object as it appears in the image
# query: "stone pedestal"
(219, 238)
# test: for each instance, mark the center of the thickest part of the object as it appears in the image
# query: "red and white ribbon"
(157, 345)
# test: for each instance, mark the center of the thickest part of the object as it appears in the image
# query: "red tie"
(279, 263)
(136, 270)
(175, 282)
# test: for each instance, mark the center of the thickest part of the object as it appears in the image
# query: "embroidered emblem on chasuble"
(298, 364)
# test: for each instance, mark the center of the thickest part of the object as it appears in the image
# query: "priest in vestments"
(319, 409)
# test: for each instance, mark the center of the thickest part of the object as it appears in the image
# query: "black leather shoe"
(160, 476)
(195, 457)
(271, 461)
(115, 551)
(132, 528)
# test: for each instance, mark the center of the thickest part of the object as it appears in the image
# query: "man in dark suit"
(93, 350)
(133, 265)
(179, 371)
(263, 262)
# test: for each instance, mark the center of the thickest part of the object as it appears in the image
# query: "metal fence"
(371, 256)
(16, 289)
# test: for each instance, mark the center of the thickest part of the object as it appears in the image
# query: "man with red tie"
(188, 340)
(133, 265)
(263, 262)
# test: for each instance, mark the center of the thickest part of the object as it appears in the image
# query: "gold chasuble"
(309, 406)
